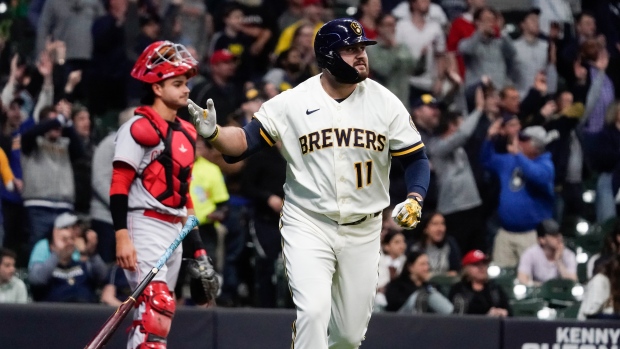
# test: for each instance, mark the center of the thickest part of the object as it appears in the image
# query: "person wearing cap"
(48, 151)
(220, 84)
(59, 271)
(549, 259)
(533, 54)
(475, 293)
(526, 175)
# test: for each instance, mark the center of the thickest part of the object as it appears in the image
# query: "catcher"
(149, 196)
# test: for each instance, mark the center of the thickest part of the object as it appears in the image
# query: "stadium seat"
(592, 242)
(443, 283)
(569, 312)
(558, 292)
(527, 307)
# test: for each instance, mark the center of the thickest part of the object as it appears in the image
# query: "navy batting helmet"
(332, 36)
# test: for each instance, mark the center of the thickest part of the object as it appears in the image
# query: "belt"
(162, 216)
(368, 216)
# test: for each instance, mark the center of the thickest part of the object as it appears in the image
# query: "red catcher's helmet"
(162, 60)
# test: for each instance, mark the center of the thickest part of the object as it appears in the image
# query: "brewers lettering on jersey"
(339, 132)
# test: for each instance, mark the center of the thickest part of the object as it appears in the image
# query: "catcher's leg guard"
(157, 307)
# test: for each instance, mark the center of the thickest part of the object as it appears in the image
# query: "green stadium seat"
(592, 242)
(443, 282)
(569, 312)
(558, 293)
(527, 307)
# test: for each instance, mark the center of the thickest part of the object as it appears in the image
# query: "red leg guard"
(157, 317)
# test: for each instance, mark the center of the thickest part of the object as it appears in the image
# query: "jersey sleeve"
(126, 148)
(268, 117)
(404, 136)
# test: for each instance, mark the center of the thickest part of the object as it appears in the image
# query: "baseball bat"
(115, 320)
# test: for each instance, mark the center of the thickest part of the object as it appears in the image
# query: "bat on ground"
(115, 320)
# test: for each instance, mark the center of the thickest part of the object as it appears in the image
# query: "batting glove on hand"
(407, 214)
(204, 283)
(204, 120)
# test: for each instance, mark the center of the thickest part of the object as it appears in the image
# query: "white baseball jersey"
(129, 151)
(339, 154)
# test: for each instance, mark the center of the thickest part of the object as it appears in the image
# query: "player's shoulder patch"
(413, 124)
(144, 133)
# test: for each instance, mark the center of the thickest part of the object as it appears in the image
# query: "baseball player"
(339, 131)
(149, 196)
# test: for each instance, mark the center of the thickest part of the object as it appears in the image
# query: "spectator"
(262, 183)
(411, 293)
(391, 264)
(219, 85)
(611, 247)
(238, 39)
(292, 14)
(312, 14)
(435, 13)
(392, 61)
(12, 289)
(48, 150)
(569, 47)
(367, 14)
(110, 65)
(9, 181)
(458, 200)
(549, 259)
(558, 12)
(82, 166)
(303, 40)
(534, 55)
(101, 217)
(193, 22)
(426, 41)
(444, 254)
(68, 22)
(289, 71)
(602, 297)
(475, 294)
(526, 177)
(461, 28)
(209, 196)
(487, 52)
(117, 288)
(61, 278)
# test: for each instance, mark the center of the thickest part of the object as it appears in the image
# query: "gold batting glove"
(407, 214)
(204, 120)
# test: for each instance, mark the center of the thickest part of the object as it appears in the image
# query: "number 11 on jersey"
(359, 173)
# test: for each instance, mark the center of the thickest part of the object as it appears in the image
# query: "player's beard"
(363, 74)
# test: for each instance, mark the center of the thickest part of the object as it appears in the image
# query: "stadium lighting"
(582, 227)
(546, 313)
(582, 257)
(493, 271)
(577, 292)
(3, 8)
(589, 196)
(519, 291)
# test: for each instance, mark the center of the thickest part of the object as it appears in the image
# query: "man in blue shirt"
(526, 175)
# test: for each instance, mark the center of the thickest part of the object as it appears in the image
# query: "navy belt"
(368, 216)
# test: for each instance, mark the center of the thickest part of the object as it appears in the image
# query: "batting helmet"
(334, 35)
(162, 60)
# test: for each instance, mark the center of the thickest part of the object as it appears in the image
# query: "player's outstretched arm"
(228, 140)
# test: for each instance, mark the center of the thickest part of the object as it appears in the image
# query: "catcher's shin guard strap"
(159, 308)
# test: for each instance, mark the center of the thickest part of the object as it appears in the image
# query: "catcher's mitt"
(204, 283)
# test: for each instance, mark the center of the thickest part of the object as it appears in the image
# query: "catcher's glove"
(204, 283)
(205, 120)
(407, 214)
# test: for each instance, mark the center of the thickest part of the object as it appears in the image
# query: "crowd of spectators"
(518, 111)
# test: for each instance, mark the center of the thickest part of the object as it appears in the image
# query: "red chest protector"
(167, 176)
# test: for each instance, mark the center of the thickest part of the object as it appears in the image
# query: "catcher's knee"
(159, 308)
